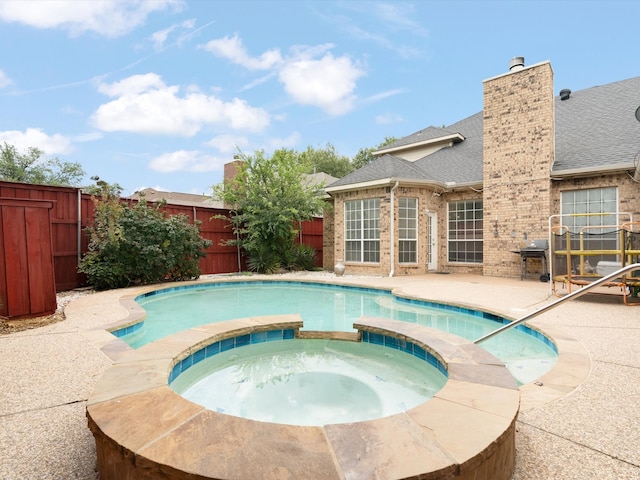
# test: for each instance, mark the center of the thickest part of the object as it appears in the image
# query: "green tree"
(268, 198)
(30, 167)
(326, 160)
(365, 155)
(139, 244)
(100, 188)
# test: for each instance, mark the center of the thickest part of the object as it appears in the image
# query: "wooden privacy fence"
(69, 212)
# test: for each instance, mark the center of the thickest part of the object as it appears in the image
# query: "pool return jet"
(571, 296)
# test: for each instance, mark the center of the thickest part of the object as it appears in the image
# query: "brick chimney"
(231, 168)
(230, 172)
(518, 152)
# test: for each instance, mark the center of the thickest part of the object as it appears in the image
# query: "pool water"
(310, 382)
(332, 308)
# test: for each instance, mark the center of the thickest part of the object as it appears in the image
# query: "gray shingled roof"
(595, 128)
(386, 166)
(461, 163)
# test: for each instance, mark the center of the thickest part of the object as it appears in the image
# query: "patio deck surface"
(591, 431)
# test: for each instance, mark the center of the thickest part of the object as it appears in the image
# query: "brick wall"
(518, 152)
(328, 237)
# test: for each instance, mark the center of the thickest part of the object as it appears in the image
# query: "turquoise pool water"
(310, 382)
(526, 353)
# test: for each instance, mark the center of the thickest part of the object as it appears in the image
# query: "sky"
(163, 93)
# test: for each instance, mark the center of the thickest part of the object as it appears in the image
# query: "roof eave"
(359, 186)
(590, 171)
(447, 138)
(383, 182)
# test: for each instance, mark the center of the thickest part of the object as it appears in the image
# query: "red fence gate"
(27, 282)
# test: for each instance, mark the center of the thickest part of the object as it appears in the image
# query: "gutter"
(383, 182)
(392, 229)
(589, 171)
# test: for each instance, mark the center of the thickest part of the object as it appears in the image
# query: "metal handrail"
(570, 296)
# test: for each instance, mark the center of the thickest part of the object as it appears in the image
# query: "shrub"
(263, 259)
(132, 245)
(301, 257)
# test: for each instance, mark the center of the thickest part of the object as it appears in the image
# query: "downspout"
(79, 239)
(238, 249)
(392, 230)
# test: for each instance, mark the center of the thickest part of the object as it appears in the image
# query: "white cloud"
(383, 95)
(328, 83)
(34, 137)
(311, 75)
(399, 16)
(144, 104)
(88, 137)
(4, 80)
(389, 118)
(290, 141)
(402, 34)
(187, 160)
(160, 37)
(105, 17)
(133, 85)
(228, 144)
(232, 49)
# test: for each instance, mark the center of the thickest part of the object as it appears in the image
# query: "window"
(594, 212)
(362, 230)
(408, 230)
(593, 201)
(465, 231)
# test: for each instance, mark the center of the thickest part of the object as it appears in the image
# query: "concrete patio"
(592, 431)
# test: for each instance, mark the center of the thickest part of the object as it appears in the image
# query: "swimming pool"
(527, 353)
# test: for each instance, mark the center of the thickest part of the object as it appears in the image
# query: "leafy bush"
(302, 257)
(132, 245)
(263, 259)
(269, 199)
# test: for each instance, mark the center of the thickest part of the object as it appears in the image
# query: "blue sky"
(162, 93)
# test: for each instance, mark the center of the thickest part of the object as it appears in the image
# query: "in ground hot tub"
(311, 381)
(144, 429)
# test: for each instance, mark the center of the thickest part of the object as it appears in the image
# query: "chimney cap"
(565, 93)
(516, 63)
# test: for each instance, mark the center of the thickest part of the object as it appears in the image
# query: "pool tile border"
(228, 344)
(529, 330)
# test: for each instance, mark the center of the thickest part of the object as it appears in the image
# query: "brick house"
(462, 198)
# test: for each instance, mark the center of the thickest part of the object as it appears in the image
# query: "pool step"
(319, 334)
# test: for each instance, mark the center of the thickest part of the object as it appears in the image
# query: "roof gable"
(430, 136)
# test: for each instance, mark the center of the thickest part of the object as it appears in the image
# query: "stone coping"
(143, 429)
